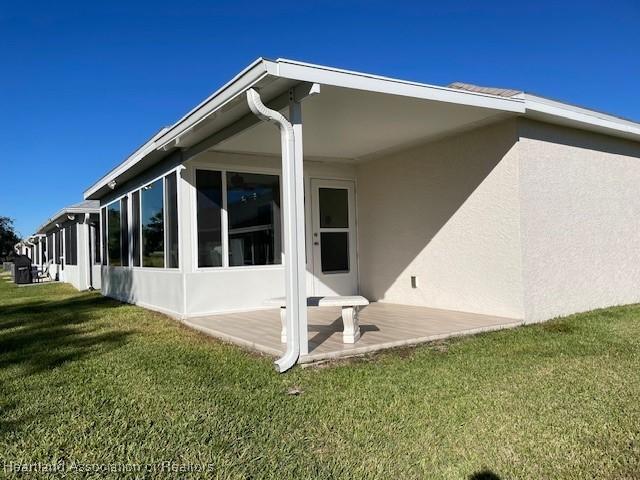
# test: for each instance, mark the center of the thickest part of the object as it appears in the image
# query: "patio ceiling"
(345, 123)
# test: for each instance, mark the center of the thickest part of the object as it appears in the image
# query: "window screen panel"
(135, 227)
(114, 236)
(171, 188)
(124, 230)
(152, 221)
(209, 217)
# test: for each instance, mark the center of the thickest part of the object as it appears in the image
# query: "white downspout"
(293, 297)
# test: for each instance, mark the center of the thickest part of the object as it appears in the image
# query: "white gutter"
(580, 117)
(292, 294)
(67, 211)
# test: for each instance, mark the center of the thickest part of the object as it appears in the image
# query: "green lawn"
(89, 380)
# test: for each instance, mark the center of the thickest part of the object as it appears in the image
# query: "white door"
(333, 237)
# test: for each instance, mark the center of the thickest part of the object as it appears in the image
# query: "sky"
(83, 84)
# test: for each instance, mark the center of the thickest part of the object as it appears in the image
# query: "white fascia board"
(230, 91)
(161, 140)
(132, 159)
(580, 117)
(362, 81)
(66, 211)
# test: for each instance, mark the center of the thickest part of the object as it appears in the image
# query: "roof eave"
(59, 215)
(171, 138)
(578, 117)
(248, 77)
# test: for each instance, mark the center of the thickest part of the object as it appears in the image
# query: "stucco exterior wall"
(448, 213)
(157, 289)
(71, 274)
(580, 201)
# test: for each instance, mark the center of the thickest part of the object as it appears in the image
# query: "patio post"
(293, 225)
(295, 117)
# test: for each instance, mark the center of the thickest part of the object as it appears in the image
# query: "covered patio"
(298, 181)
(382, 326)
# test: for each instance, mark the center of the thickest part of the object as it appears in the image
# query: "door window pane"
(172, 220)
(153, 225)
(334, 207)
(253, 206)
(209, 208)
(114, 236)
(334, 252)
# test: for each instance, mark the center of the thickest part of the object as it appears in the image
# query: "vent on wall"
(414, 281)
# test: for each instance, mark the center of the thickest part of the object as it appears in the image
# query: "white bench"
(349, 305)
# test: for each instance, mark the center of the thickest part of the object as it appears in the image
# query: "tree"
(8, 237)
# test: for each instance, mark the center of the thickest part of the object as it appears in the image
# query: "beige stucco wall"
(580, 200)
(447, 212)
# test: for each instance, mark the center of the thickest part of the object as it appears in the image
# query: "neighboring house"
(463, 198)
(70, 242)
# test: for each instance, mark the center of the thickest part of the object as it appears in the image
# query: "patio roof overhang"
(357, 115)
(82, 208)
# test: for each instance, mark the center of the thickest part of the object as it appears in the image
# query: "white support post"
(295, 117)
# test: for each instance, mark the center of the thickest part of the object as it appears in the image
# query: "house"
(69, 242)
(302, 180)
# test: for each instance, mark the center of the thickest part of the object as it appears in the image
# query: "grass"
(86, 379)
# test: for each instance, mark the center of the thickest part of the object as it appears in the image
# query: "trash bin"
(22, 265)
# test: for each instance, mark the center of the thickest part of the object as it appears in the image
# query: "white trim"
(66, 211)
(578, 115)
(165, 230)
(230, 91)
(224, 221)
(324, 75)
(130, 228)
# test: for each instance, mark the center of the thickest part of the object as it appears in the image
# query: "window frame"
(130, 230)
(224, 220)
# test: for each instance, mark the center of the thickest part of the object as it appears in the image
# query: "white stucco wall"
(580, 200)
(97, 276)
(158, 289)
(71, 274)
(448, 213)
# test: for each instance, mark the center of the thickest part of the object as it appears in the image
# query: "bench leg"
(283, 321)
(351, 332)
